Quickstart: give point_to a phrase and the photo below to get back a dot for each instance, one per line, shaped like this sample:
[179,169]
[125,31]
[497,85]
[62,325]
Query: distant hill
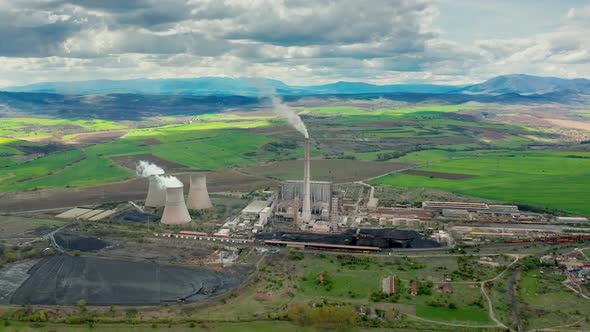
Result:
[204,86]
[219,86]
[256,87]
[527,84]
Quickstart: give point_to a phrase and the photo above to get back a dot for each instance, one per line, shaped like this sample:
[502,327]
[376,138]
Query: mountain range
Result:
[257,87]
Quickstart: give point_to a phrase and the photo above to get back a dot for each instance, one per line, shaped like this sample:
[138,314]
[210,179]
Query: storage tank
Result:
[175,211]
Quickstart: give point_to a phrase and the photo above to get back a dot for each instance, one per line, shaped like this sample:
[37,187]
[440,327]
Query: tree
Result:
[82,304]
[299,313]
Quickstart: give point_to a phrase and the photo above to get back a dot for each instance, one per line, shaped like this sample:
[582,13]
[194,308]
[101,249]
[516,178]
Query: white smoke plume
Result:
[289,114]
[145,169]
[266,90]
[168,181]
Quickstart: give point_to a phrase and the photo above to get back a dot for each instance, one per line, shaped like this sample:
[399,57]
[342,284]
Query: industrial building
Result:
[290,199]
[571,220]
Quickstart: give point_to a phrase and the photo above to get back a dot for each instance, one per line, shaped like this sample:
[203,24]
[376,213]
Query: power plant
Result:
[198,196]
[156,196]
[175,211]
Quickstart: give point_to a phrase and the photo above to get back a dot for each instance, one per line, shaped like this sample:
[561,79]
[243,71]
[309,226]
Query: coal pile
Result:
[136,217]
[385,238]
[81,243]
[63,280]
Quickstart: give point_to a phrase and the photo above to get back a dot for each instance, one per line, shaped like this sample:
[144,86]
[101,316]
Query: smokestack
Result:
[175,211]
[296,212]
[198,196]
[306,212]
[156,196]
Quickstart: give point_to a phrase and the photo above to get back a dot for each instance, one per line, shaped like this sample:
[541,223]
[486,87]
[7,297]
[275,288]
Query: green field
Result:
[458,315]
[38,167]
[200,145]
[546,302]
[357,280]
[256,326]
[554,180]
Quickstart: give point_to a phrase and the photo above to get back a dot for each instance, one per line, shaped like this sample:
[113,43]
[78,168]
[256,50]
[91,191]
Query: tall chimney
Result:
[175,211]
[198,197]
[296,213]
[156,196]
[306,211]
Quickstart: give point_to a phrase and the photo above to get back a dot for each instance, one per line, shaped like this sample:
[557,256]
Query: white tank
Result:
[198,196]
[175,211]
[156,196]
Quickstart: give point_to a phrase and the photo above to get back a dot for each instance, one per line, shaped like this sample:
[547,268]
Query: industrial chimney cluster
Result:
[171,197]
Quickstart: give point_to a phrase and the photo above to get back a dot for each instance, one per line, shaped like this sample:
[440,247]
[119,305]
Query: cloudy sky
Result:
[300,42]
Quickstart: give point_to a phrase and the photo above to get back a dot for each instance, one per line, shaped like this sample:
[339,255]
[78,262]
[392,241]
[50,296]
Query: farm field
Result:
[335,170]
[553,180]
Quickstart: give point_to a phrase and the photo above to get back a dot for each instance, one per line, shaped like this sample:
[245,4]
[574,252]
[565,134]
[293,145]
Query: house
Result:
[388,285]
[569,256]
[414,288]
[446,288]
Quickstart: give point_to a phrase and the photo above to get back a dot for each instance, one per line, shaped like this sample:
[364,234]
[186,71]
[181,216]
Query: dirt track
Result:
[134,189]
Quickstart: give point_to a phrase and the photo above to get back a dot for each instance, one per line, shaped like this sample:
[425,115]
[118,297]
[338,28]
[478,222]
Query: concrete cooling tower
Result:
[156,196]
[198,197]
[175,211]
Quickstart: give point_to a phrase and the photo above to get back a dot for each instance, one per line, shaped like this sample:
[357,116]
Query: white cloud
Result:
[297,41]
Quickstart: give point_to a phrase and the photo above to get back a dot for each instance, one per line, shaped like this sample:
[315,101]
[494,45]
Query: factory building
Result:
[571,220]
[320,191]
[439,206]
[290,199]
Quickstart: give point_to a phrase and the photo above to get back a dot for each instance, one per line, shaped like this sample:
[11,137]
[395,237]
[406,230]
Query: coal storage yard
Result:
[134,216]
[64,280]
[80,243]
[385,238]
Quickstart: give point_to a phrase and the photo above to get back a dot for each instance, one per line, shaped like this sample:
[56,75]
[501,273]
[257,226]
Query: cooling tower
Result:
[198,197]
[175,211]
[156,196]
[306,209]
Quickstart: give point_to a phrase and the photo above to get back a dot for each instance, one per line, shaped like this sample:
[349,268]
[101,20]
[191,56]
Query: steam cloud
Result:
[145,169]
[289,114]
[168,181]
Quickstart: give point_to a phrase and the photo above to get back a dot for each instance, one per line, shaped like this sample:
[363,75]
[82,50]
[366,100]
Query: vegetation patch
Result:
[438,175]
